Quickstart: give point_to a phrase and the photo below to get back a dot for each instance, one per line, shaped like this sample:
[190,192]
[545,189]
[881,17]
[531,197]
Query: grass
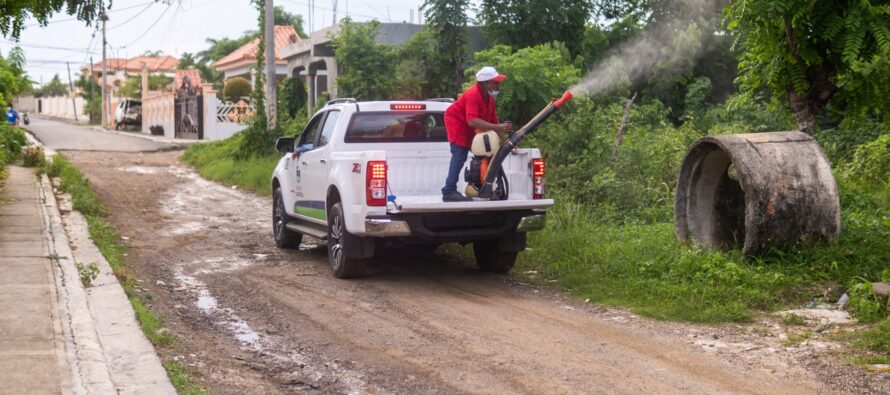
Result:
[181,379]
[875,341]
[106,239]
[215,161]
[642,266]
[794,319]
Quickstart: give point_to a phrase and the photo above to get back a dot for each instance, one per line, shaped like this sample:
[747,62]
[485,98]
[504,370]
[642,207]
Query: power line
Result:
[40,46]
[75,18]
[150,27]
[131,18]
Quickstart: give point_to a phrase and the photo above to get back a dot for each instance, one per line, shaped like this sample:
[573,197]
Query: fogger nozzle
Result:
[565,97]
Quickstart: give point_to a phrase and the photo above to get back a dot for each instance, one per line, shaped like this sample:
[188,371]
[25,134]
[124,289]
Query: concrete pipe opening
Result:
[756,191]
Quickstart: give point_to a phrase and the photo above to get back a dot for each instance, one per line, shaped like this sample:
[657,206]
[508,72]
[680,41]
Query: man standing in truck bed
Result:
[473,112]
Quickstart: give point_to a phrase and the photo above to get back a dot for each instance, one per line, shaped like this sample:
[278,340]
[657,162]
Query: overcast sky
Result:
[136,26]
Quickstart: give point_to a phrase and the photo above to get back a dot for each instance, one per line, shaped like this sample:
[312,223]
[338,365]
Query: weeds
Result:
[218,161]
[33,156]
[181,379]
[87,273]
[106,239]
[797,338]
[794,319]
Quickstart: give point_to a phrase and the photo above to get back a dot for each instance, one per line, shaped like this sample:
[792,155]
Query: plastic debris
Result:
[878,367]
[842,302]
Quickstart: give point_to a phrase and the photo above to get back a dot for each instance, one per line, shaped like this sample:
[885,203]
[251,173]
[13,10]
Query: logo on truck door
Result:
[357,168]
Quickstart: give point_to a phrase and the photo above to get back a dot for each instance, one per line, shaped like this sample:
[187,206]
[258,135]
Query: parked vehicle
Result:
[128,112]
[363,172]
[25,119]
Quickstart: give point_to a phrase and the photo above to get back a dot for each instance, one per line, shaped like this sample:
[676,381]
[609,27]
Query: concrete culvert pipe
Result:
[755,191]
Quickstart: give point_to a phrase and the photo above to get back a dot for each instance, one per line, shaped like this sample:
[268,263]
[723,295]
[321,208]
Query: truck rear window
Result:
[397,127]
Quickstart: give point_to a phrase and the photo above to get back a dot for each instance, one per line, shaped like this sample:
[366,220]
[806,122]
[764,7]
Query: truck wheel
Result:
[284,237]
[491,259]
[341,265]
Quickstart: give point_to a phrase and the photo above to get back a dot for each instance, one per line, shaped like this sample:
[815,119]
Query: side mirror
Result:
[284,144]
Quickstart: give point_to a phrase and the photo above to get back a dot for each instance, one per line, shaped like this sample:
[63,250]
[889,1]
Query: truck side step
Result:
[307,229]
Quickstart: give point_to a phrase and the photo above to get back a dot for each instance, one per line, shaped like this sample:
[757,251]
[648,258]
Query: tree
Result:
[535,75]
[237,88]
[55,87]
[15,13]
[186,61]
[813,51]
[133,85]
[13,79]
[154,53]
[292,96]
[284,18]
[525,23]
[92,96]
[448,19]
[367,66]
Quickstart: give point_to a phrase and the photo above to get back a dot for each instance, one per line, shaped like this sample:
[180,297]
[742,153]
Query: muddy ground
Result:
[252,318]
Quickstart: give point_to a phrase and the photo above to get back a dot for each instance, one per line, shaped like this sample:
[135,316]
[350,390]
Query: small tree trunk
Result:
[804,111]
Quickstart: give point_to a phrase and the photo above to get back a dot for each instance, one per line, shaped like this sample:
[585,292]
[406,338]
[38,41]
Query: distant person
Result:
[472,113]
[12,116]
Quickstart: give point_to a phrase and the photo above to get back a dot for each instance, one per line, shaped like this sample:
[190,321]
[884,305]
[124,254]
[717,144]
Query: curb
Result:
[161,140]
[106,349]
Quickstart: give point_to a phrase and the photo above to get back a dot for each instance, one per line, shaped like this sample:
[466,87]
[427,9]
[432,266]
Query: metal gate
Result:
[188,111]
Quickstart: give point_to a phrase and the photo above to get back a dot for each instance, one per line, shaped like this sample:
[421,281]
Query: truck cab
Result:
[364,172]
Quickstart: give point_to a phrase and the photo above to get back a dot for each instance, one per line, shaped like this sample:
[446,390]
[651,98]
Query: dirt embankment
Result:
[255,319]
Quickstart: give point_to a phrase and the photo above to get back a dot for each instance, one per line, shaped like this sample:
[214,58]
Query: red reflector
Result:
[537,178]
[407,107]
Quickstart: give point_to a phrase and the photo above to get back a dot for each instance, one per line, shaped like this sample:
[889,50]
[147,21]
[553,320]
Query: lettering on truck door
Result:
[305,202]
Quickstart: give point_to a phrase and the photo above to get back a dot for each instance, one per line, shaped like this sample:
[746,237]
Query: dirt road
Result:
[255,319]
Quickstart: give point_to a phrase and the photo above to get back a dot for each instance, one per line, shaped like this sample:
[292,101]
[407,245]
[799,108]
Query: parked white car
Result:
[366,171]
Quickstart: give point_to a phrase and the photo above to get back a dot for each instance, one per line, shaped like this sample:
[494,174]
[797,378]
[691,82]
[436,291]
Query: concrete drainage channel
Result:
[106,349]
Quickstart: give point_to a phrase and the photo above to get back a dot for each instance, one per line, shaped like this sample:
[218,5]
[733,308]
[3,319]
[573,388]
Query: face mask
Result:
[494,93]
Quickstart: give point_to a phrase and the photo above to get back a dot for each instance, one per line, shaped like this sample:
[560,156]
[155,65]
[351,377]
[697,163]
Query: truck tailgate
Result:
[434,204]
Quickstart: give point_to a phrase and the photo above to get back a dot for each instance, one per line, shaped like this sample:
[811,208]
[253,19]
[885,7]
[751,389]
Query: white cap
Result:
[488,73]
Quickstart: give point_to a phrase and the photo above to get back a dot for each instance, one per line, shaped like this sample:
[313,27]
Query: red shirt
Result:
[469,106]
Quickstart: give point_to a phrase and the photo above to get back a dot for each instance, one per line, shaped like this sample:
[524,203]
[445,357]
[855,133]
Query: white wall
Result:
[63,107]
[218,125]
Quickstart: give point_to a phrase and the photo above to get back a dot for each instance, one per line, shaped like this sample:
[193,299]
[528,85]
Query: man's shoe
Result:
[455,197]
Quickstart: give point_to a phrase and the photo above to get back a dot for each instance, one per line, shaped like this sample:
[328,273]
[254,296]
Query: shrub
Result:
[33,157]
[870,163]
[236,88]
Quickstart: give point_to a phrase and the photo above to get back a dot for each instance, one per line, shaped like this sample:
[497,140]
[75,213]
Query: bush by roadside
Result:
[12,140]
[220,161]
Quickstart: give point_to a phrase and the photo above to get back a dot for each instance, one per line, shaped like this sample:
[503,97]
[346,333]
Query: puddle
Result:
[141,169]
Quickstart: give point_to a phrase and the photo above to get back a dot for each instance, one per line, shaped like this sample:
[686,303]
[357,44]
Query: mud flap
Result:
[356,247]
[513,242]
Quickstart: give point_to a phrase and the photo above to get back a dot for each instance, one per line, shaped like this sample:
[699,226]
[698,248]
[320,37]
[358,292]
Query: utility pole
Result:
[334,22]
[106,101]
[71,90]
[90,85]
[271,80]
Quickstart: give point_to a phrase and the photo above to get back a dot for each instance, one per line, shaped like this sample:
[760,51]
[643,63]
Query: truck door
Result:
[301,203]
[315,169]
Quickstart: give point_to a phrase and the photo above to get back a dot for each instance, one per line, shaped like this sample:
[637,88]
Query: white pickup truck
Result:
[362,172]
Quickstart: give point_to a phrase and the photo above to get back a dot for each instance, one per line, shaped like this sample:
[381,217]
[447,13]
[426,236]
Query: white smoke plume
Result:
[665,48]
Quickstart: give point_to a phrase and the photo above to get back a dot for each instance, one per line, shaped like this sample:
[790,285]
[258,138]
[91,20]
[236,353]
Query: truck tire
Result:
[341,265]
[491,259]
[284,237]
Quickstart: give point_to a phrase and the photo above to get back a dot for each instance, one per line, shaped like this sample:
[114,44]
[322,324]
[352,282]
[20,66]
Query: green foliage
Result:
[132,87]
[237,88]
[219,48]
[12,140]
[526,23]
[92,96]
[33,156]
[292,97]
[870,163]
[864,304]
[535,75]
[181,379]
[447,20]
[54,87]
[813,51]
[417,73]
[186,61]
[13,79]
[15,13]
[876,339]
[367,67]
[219,160]
[87,273]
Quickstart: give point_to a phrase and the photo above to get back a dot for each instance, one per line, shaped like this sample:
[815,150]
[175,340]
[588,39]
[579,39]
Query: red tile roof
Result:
[165,63]
[284,36]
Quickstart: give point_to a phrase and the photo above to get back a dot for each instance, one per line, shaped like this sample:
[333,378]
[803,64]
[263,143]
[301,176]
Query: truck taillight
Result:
[375,179]
[537,178]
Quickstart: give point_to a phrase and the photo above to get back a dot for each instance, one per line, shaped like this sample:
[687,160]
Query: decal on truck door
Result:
[311,208]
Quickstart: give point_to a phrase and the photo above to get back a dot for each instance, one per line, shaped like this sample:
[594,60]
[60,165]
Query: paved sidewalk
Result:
[33,355]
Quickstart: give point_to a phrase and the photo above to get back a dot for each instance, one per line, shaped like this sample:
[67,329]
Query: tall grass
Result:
[219,161]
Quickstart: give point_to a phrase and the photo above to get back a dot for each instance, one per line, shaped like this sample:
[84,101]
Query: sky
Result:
[137,26]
